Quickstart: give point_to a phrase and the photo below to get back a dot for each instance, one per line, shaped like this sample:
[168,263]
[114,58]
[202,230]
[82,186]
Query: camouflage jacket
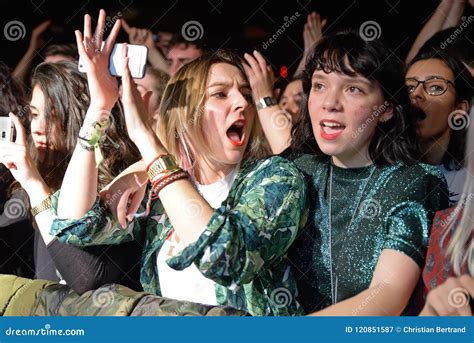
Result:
[243,248]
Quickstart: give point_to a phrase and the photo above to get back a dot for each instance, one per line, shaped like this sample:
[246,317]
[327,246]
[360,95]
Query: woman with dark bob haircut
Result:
[371,202]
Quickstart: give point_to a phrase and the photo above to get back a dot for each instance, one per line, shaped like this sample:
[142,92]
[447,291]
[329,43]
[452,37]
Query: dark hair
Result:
[347,53]
[463,84]
[68,50]
[452,41]
[284,85]
[67,98]
[178,39]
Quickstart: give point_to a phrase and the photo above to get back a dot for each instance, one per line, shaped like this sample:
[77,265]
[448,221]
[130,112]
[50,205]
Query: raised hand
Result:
[260,75]
[313,31]
[124,194]
[102,85]
[139,36]
[36,40]
[451,298]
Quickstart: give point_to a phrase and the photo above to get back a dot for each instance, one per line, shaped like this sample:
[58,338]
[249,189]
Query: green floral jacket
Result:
[243,248]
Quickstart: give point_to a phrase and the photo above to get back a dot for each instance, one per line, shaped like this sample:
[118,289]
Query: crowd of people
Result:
[348,191]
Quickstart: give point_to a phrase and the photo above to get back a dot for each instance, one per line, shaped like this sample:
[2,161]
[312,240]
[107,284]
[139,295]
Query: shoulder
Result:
[416,177]
[306,163]
[269,167]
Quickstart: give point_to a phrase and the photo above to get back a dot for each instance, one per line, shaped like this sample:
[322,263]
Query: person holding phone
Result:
[57,108]
[219,216]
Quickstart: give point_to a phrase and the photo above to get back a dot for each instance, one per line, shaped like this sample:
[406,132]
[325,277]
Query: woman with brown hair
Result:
[219,217]
[57,108]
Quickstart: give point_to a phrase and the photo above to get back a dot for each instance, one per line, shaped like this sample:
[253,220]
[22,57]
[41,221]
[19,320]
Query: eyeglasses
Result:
[434,86]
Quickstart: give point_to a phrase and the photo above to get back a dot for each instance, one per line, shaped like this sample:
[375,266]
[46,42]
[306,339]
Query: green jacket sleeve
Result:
[253,228]
[96,227]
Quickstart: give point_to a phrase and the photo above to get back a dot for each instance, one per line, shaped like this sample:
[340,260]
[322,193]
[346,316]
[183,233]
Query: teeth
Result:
[331,124]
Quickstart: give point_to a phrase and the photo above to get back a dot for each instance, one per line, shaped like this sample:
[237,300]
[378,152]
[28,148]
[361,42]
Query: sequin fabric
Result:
[395,212]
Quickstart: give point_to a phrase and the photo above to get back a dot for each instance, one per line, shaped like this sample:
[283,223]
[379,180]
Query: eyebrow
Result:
[426,78]
[33,107]
[227,84]
[347,78]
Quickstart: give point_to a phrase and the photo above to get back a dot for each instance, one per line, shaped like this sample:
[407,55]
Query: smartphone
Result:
[137,55]
[6,129]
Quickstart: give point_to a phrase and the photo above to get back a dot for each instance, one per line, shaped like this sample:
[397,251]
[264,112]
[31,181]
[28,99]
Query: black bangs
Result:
[347,53]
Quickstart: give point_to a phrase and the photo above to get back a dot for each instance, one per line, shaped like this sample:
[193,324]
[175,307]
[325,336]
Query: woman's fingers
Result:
[264,67]
[126,76]
[252,63]
[249,72]
[323,23]
[109,43]
[99,30]
[20,130]
[80,44]
[122,209]
[135,202]
[87,27]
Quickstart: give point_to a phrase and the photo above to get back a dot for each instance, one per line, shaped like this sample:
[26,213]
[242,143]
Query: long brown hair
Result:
[67,98]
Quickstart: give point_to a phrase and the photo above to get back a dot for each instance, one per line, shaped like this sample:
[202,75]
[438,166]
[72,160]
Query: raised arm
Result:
[20,73]
[312,33]
[275,122]
[145,37]
[79,185]
[447,14]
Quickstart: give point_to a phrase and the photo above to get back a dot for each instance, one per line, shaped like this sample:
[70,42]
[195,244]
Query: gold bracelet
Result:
[162,165]
[42,206]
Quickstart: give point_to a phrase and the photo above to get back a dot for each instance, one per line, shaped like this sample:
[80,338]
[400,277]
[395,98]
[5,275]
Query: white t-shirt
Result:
[455,180]
[189,284]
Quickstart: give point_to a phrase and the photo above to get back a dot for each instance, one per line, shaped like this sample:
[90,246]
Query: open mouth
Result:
[418,113]
[236,132]
[331,129]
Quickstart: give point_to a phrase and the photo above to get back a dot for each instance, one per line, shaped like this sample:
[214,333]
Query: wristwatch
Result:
[164,164]
[265,102]
[42,206]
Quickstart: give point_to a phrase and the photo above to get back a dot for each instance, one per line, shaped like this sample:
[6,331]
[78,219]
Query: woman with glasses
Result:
[440,87]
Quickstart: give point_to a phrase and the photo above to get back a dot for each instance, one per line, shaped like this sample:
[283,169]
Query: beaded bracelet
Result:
[167,180]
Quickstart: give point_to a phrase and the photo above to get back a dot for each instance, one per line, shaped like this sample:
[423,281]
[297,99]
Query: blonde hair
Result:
[460,248]
[179,124]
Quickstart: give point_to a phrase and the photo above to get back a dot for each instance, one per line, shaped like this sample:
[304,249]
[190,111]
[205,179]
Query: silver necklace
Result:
[334,281]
